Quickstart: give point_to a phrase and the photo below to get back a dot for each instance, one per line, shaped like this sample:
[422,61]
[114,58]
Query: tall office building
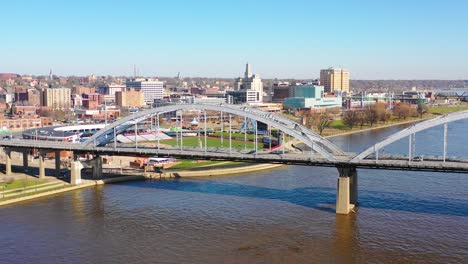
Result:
[152,89]
[250,82]
[335,80]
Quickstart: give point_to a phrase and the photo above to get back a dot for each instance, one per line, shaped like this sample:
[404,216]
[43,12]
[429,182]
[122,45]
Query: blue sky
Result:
[396,39]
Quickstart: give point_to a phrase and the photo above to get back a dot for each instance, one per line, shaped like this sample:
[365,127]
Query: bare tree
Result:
[422,109]
[351,118]
[371,114]
[361,118]
[383,114]
[402,110]
[319,120]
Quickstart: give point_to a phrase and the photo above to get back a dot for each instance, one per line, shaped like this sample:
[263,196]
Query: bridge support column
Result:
[97,168]
[41,166]
[25,161]
[7,162]
[347,192]
[75,172]
[57,163]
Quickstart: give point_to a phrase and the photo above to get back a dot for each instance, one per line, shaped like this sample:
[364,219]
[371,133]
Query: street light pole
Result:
[205,131]
[158,131]
[230,134]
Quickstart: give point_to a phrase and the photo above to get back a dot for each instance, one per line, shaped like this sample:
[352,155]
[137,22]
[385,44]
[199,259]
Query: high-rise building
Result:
[152,89]
[56,98]
[250,82]
[335,80]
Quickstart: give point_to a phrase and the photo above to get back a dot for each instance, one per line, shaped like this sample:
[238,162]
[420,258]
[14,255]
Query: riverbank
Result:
[68,188]
[213,171]
[378,127]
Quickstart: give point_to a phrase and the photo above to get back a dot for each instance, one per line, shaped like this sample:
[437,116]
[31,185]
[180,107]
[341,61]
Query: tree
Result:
[58,115]
[361,118]
[402,110]
[351,118]
[371,114]
[422,109]
[319,120]
[385,116]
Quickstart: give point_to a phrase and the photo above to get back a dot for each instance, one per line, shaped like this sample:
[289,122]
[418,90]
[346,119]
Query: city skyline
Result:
[397,40]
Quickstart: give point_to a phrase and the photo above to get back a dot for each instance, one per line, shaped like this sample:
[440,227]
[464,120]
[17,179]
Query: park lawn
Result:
[212,143]
[236,135]
[21,183]
[447,109]
[338,124]
[188,164]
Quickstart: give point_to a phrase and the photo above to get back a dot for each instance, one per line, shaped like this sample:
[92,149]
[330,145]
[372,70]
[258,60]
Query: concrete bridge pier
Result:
[7,161]
[347,189]
[75,172]
[25,161]
[41,165]
[57,163]
[97,167]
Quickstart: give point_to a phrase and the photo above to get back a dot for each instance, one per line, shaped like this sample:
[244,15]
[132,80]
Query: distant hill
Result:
[398,85]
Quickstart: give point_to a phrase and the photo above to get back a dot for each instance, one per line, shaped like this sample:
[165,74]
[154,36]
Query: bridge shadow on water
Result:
[319,198]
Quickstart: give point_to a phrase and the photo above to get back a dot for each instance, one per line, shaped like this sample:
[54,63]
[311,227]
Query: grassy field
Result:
[189,164]
[236,135]
[212,143]
[19,184]
[338,124]
[442,110]
[31,193]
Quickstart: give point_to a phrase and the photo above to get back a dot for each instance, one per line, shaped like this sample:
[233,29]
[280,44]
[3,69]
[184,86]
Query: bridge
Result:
[319,151]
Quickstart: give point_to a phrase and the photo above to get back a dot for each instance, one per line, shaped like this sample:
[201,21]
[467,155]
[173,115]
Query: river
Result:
[279,216]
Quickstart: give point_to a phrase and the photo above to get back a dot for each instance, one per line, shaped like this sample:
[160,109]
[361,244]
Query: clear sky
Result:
[374,39]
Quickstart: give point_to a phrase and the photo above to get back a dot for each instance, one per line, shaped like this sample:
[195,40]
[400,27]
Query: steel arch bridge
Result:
[324,152]
[410,132]
[316,142]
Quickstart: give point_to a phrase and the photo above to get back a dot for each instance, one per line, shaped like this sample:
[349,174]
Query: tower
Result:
[248,72]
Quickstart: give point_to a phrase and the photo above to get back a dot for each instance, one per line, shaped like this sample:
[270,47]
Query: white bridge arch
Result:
[316,142]
[441,120]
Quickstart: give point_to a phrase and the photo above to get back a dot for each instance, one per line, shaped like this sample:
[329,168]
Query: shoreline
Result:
[378,127]
[164,175]
[86,184]
[184,173]
[217,172]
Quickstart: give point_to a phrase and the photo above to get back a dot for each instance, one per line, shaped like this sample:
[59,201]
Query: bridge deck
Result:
[213,154]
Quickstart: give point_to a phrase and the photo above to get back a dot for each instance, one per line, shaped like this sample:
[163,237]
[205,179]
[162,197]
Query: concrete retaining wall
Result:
[214,172]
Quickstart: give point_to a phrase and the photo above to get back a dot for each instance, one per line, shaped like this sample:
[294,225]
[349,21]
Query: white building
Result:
[250,82]
[111,89]
[152,89]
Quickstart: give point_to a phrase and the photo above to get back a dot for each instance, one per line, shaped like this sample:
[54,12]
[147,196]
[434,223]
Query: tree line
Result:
[369,115]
